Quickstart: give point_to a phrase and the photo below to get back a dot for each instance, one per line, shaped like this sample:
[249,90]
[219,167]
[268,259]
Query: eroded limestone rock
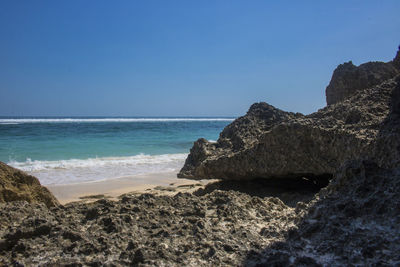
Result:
[16,185]
[347,79]
[270,143]
[282,144]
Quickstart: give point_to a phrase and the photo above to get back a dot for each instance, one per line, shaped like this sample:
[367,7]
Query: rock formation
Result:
[387,145]
[216,229]
[347,78]
[16,185]
[355,221]
[270,143]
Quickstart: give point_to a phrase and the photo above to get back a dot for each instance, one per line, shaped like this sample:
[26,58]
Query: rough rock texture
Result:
[184,230]
[348,79]
[387,145]
[353,221]
[260,118]
[17,185]
[280,144]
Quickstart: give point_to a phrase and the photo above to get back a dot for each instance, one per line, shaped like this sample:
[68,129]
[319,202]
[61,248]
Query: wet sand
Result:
[165,183]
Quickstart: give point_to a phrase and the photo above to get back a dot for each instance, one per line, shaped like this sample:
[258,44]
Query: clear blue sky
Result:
[182,58]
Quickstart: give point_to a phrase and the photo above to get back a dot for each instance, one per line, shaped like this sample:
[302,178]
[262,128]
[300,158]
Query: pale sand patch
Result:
[159,183]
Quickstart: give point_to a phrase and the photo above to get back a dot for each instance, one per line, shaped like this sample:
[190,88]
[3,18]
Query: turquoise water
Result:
[64,150]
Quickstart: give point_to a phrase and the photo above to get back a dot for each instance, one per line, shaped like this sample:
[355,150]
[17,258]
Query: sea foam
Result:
[95,169]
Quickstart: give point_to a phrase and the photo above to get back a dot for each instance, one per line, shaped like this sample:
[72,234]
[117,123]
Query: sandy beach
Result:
[165,183]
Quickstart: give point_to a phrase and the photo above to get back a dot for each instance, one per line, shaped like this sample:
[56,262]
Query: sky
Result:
[183,58]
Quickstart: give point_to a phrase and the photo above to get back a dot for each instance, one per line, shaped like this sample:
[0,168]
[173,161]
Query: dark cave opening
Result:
[290,190]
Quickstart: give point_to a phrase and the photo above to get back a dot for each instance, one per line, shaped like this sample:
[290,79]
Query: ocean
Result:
[75,150]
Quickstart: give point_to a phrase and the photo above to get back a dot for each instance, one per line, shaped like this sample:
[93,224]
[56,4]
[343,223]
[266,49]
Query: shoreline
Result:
[165,183]
[294,190]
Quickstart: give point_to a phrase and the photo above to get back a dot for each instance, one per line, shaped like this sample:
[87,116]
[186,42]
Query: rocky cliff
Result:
[16,185]
[347,79]
[355,219]
[270,143]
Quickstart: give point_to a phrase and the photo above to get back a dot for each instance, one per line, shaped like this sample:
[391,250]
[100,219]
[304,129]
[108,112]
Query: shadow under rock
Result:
[354,219]
[290,190]
[347,225]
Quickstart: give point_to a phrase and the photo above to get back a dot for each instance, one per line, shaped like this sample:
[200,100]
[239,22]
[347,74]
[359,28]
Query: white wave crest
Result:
[94,169]
[93,120]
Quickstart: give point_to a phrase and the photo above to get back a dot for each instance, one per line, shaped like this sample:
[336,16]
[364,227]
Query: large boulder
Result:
[16,185]
[348,78]
[270,143]
[241,134]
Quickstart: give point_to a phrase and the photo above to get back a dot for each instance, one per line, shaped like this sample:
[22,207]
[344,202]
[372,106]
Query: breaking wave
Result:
[95,169]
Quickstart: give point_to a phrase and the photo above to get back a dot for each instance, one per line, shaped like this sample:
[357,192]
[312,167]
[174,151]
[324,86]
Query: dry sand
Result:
[158,183]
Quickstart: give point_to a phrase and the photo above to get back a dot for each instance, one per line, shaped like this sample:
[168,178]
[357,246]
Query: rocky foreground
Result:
[219,228]
[354,220]
[350,149]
